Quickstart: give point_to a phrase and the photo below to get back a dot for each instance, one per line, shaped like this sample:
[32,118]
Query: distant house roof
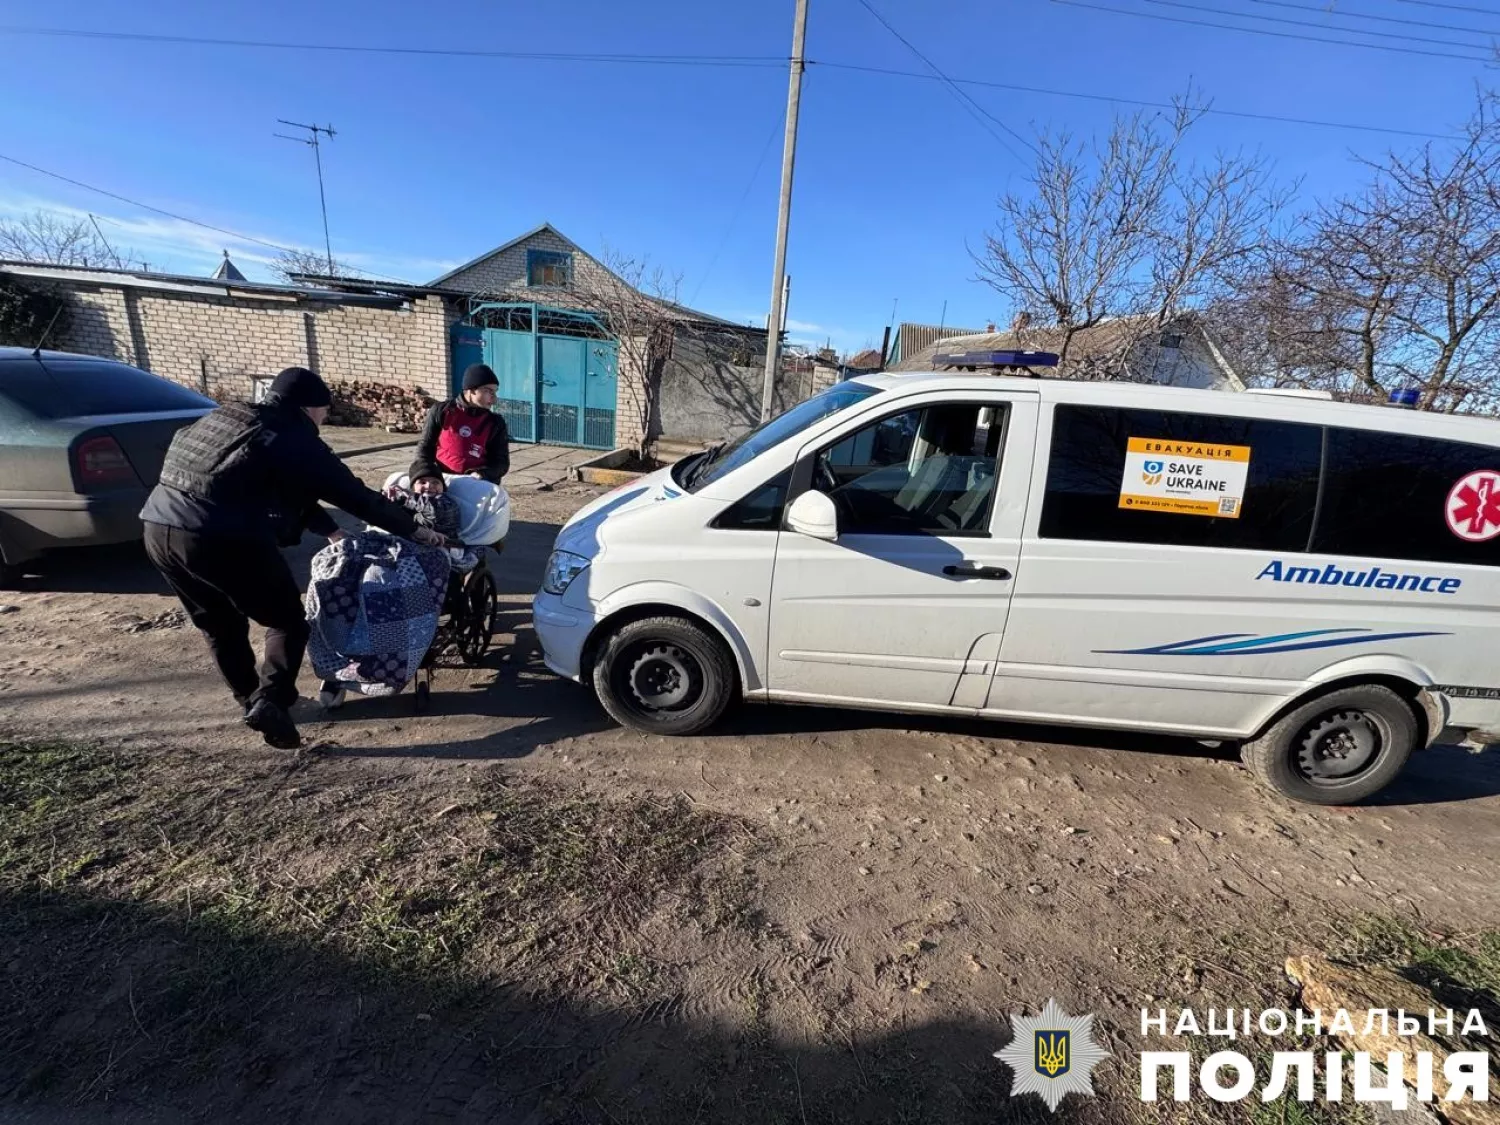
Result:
[867,360]
[677,311]
[228,271]
[179,283]
[1108,341]
[912,338]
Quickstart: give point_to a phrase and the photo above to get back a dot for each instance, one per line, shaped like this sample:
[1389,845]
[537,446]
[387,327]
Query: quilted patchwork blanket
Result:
[373,604]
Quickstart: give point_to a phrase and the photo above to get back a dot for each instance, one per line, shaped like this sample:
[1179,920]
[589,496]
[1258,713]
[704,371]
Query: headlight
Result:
[562,568]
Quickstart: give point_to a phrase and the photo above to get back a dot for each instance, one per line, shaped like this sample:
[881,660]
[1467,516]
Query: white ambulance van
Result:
[1316,581]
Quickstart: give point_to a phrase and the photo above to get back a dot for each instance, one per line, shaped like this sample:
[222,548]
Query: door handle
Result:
[969,570]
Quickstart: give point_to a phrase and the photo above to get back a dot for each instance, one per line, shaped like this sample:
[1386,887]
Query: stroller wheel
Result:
[478,617]
[423,693]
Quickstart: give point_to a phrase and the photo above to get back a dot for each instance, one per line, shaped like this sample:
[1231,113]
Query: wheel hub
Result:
[1338,746]
[661,679]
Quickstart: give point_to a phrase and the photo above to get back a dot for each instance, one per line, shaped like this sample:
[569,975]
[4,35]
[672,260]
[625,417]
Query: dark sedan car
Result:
[81,444]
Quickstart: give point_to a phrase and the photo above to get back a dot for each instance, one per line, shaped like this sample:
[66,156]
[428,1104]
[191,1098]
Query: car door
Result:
[907,607]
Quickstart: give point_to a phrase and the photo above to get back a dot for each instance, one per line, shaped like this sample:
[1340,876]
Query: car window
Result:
[928,471]
[1099,488]
[761,510]
[84,388]
[1390,495]
[749,446]
[26,384]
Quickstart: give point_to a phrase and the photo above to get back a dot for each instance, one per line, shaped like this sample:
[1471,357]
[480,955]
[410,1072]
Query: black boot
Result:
[273,724]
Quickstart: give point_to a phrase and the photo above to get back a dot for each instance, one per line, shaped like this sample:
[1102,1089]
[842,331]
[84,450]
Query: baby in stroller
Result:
[375,645]
[426,497]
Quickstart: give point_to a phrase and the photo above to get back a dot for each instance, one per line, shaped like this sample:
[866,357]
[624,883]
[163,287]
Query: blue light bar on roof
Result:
[995,359]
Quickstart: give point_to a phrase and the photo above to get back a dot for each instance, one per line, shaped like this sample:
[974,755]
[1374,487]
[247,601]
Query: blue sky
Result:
[439,158]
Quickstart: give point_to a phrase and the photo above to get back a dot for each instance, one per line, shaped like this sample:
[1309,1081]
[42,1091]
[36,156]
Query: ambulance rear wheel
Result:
[1338,748]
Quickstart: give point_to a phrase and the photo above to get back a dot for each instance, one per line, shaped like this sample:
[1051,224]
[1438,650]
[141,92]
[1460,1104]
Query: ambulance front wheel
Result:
[1338,748]
[665,675]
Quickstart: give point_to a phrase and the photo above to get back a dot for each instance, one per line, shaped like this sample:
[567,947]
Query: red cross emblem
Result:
[1473,508]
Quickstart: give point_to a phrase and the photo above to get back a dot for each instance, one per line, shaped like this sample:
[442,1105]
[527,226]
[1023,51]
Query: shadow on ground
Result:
[122,1012]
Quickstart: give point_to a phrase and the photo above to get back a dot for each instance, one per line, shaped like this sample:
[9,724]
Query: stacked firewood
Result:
[400,410]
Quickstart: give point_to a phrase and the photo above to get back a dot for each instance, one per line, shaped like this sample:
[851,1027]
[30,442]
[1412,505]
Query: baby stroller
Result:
[465,614]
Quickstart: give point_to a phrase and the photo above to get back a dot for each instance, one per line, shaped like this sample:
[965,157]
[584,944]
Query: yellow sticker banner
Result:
[1185,478]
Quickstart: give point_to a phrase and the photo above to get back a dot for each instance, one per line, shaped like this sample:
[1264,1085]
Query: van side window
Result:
[1085,474]
[759,511]
[929,471]
[1386,495]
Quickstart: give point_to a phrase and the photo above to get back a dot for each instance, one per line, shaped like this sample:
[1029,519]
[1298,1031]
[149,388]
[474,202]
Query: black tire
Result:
[10,576]
[1337,749]
[665,675]
[480,599]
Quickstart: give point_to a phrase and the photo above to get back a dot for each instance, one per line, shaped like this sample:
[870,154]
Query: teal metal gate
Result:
[555,386]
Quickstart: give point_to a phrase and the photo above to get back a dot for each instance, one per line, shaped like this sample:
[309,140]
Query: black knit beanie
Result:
[422,468]
[297,386]
[479,375]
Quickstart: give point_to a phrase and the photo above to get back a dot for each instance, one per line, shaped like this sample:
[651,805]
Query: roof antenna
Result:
[36,352]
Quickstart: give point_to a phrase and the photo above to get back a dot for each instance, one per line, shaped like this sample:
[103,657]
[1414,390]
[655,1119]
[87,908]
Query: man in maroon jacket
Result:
[464,435]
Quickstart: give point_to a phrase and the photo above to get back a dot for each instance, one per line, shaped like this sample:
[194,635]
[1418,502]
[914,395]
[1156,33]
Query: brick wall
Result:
[219,344]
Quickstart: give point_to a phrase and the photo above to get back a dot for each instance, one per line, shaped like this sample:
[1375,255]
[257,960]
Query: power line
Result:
[1132,101]
[172,214]
[1382,19]
[968,102]
[734,216]
[1310,23]
[1273,34]
[454,52]
[1454,7]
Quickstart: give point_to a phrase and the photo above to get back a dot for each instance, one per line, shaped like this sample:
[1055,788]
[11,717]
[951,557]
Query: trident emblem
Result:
[1051,1053]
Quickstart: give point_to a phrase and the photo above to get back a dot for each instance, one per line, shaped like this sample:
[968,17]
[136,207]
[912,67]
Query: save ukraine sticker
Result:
[1187,478]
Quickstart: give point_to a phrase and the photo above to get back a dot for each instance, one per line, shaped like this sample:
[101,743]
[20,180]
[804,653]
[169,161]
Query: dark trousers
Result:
[224,584]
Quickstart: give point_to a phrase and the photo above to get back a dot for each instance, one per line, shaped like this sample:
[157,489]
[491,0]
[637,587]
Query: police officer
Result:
[463,435]
[236,485]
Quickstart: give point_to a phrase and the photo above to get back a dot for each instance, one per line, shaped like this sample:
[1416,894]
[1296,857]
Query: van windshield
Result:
[724,459]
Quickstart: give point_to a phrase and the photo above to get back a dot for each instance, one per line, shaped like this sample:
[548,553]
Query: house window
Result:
[551,268]
[260,386]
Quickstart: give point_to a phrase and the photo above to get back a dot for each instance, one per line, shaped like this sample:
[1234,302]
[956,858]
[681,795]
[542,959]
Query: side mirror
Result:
[814,515]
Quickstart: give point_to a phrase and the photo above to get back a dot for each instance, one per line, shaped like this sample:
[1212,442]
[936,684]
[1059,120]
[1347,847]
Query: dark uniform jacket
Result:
[257,471]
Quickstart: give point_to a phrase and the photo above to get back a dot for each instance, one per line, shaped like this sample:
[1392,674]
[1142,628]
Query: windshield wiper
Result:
[706,458]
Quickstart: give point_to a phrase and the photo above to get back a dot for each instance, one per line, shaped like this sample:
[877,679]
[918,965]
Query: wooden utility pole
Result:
[783,218]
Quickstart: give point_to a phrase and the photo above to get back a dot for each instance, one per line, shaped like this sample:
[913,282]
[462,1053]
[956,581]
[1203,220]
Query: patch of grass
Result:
[40,785]
[1462,971]
[1470,961]
[178,915]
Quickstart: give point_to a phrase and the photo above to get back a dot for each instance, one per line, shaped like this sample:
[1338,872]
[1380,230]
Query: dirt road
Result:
[900,888]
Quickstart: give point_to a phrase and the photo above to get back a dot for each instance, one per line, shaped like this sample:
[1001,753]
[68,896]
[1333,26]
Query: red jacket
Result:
[466,439]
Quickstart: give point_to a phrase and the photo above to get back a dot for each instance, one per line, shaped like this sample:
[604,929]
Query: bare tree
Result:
[47,237]
[1127,227]
[291,264]
[1398,286]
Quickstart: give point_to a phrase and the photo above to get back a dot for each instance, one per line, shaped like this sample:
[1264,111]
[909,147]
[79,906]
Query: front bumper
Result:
[563,631]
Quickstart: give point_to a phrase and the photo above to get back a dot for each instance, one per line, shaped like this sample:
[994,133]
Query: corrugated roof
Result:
[911,338]
[179,283]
